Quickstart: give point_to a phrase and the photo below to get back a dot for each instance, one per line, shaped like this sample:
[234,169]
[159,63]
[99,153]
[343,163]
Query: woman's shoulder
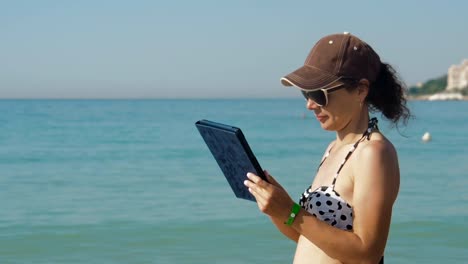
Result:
[376,163]
[377,149]
[377,143]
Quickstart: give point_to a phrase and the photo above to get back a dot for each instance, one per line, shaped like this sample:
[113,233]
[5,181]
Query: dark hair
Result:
[387,95]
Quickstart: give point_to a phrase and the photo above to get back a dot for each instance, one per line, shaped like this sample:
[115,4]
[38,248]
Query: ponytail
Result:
[387,95]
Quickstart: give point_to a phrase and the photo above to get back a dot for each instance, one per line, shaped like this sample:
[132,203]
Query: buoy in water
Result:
[426,137]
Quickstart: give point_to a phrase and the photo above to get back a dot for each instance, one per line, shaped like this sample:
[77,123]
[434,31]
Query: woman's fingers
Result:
[254,178]
[259,198]
[257,186]
[257,180]
[254,188]
[270,199]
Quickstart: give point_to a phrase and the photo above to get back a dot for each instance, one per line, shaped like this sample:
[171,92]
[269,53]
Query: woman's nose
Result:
[311,105]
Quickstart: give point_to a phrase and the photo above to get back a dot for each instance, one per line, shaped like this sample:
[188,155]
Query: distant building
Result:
[445,96]
[457,76]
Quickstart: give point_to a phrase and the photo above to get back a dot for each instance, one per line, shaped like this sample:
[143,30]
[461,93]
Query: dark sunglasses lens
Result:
[316,96]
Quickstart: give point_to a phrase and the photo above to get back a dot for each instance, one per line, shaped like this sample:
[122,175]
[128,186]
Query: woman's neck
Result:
[353,131]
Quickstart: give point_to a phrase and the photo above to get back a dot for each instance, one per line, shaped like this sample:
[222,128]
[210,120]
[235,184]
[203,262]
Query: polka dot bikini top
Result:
[325,203]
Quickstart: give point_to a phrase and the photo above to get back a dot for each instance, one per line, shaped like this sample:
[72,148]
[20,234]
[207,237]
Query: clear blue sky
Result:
[211,49]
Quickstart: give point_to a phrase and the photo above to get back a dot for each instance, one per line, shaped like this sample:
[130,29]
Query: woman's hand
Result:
[271,197]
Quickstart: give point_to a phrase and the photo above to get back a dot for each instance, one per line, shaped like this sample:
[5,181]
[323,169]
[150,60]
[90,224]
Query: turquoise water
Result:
[131,181]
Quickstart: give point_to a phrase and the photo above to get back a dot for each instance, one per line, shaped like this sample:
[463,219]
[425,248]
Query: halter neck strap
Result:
[372,127]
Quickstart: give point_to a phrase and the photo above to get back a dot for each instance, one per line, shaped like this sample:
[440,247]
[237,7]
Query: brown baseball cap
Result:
[335,57]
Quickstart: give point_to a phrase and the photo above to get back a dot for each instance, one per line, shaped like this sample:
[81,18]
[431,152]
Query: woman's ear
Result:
[363,89]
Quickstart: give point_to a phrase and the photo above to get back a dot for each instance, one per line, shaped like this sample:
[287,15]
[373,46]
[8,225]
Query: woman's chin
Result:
[326,125]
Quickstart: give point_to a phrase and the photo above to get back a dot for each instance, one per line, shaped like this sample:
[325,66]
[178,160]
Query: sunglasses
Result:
[320,97]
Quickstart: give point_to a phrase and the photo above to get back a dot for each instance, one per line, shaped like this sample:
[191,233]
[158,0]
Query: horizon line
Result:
[147,98]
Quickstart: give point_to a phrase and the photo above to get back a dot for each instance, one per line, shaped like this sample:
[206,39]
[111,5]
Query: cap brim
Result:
[309,78]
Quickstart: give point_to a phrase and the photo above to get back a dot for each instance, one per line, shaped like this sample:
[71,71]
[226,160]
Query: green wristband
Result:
[292,216]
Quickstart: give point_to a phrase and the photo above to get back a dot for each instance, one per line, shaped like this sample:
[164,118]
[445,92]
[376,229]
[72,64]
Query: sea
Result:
[132,181]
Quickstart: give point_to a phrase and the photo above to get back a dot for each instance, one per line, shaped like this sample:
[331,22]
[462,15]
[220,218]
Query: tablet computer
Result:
[232,153]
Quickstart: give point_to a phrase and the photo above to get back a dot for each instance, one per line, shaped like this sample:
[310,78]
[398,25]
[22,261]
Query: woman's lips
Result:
[321,118]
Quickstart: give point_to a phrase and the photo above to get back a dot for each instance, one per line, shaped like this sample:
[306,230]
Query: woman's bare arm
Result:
[288,231]
[375,189]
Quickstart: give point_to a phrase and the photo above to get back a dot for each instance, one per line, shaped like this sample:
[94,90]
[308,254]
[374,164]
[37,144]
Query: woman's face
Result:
[343,106]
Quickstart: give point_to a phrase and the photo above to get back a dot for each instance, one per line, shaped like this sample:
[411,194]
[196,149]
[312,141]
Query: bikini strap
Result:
[324,157]
[372,127]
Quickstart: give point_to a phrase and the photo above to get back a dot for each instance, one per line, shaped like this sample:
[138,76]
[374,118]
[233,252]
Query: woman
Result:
[345,215]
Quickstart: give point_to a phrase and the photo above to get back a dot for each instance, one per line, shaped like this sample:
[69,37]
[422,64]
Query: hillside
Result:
[430,87]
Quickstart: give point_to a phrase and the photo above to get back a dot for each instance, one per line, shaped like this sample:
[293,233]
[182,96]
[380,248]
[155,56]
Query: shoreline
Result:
[426,98]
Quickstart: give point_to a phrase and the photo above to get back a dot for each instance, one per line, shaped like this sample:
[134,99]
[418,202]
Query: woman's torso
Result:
[306,251]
